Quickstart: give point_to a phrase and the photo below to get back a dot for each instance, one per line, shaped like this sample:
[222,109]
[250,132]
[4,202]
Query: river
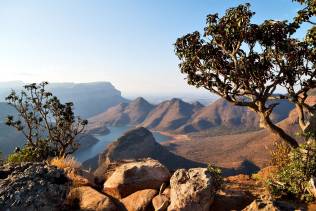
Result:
[105,140]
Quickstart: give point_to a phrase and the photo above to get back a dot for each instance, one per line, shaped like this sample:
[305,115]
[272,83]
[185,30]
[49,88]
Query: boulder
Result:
[86,198]
[80,177]
[140,200]
[161,202]
[191,190]
[134,176]
[32,186]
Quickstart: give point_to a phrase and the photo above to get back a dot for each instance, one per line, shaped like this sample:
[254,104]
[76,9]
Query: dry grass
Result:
[63,163]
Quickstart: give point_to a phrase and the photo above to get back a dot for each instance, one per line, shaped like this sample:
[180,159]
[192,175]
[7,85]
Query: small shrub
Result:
[32,154]
[217,176]
[66,162]
[292,179]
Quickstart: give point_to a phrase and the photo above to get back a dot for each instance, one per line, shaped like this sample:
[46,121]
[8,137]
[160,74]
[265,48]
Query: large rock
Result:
[191,190]
[80,177]
[140,200]
[161,202]
[134,176]
[32,186]
[86,198]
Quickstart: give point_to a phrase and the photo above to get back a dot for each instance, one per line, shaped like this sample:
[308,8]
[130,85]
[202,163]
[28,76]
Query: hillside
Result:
[170,115]
[222,115]
[123,114]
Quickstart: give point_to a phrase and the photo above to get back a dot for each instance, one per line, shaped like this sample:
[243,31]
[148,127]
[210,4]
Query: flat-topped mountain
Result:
[170,115]
[89,98]
[123,114]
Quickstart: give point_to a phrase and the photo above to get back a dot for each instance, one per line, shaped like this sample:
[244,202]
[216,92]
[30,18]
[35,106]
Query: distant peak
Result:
[140,99]
[198,104]
[176,100]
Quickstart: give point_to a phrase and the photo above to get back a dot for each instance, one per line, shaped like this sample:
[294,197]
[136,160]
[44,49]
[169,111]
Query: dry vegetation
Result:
[66,162]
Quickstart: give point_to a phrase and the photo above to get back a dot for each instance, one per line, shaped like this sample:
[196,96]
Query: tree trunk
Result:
[266,122]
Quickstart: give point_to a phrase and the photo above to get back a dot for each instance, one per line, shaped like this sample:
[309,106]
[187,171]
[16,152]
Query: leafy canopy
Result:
[244,63]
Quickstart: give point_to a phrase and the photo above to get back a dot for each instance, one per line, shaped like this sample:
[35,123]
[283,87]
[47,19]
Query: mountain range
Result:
[178,116]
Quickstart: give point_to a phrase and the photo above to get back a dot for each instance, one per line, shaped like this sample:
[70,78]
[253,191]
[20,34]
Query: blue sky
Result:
[126,42]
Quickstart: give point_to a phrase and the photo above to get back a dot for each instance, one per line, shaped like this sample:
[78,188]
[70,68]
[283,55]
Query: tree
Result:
[44,120]
[245,63]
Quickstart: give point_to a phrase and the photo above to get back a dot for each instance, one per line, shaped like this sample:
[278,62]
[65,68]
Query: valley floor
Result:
[228,151]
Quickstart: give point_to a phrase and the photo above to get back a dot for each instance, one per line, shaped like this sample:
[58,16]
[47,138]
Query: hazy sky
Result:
[126,42]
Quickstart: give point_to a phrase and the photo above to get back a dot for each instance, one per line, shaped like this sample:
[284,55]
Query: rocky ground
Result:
[32,186]
[132,185]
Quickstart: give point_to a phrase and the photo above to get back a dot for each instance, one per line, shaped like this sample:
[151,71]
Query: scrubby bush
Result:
[292,179]
[217,176]
[280,154]
[30,153]
[50,127]
[65,162]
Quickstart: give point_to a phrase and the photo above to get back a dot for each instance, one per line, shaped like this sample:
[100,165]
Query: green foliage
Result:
[217,176]
[304,15]
[292,179]
[45,122]
[32,154]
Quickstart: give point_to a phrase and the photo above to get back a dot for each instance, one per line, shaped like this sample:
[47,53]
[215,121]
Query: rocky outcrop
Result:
[86,198]
[139,175]
[32,186]
[191,190]
[138,144]
[140,200]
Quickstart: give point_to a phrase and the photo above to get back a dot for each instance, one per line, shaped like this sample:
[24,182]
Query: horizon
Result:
[129,44]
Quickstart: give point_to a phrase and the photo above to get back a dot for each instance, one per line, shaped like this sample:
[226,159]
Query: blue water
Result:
[105,140]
